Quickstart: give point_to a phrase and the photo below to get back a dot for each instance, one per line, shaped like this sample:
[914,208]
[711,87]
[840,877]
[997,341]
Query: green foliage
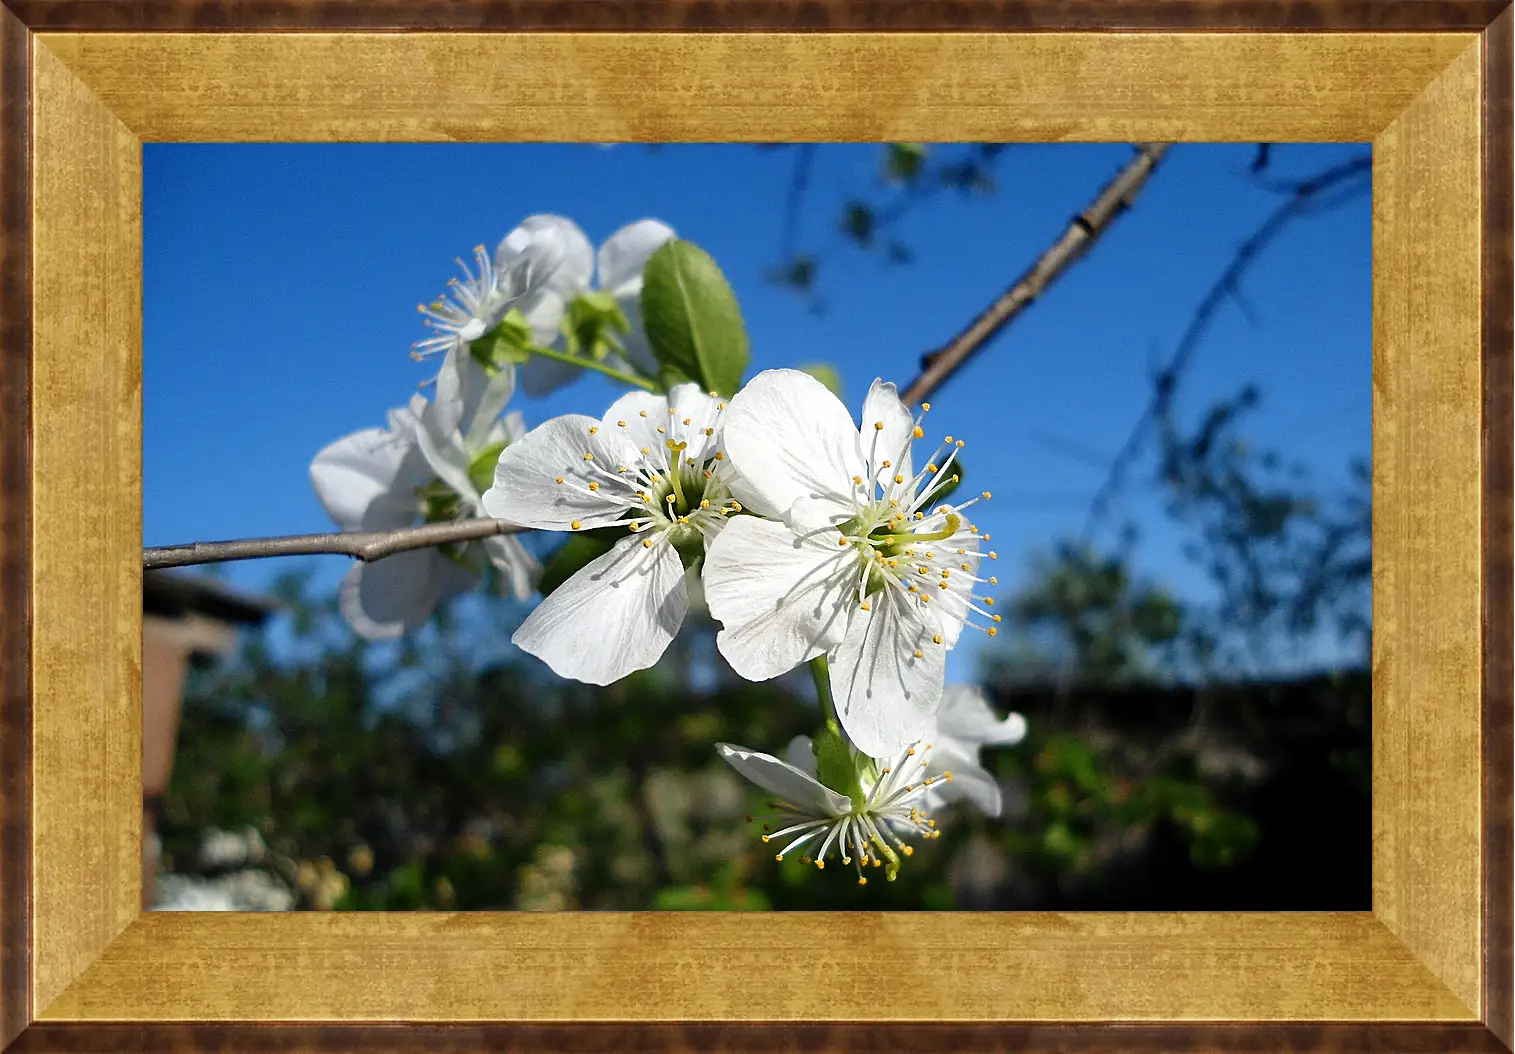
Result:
[692,319]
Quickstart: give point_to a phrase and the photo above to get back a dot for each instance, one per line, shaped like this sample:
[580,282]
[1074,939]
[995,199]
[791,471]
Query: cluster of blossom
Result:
[817,539]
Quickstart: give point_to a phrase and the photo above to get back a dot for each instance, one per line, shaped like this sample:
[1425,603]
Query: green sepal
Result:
[593,326]
[835,764]
[481,469]
[509,342]
[582,548]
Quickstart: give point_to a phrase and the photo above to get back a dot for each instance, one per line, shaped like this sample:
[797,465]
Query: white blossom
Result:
[417,469]
[852,560]
[963,725]
[475,304]
[615,269]
[653,465]
[870,830]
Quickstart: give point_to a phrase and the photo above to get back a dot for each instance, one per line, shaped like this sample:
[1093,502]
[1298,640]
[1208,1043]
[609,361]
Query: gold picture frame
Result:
[86,83]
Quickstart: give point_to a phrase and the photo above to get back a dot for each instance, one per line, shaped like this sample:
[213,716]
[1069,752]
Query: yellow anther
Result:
[704,503]
[861,880]
[989,601]
[920,516]
[620,424]
[720,406]
[993,555]
[920,654]
[661,430]
[820,865]
[858,480]
[959,444]
[594,486]
[965,567]
[947,775]
[710,431]
[646,451]
[780,858]
[866,606]
[918,432]
[588,457]
[998,618]
[886,464]
[926,407]
[908,850]
[932,469]
[575,525]
[993,581]
[558,480]
[878,426]
[899,479]
[936,639]
[944,583]
[842,542]
[594,429]
[720,455]
[993,632]
[911,752]
[947,440]
[641,413]
[686,420]
[987,495]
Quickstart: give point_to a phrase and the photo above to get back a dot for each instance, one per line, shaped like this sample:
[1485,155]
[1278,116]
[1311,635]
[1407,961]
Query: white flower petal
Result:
[623,257]
[966,715]
[525,491]
[365,480]
[885,696]
[640,431]
[780,599]
[616,615]
[969,780]
[892,442]
[789,438]
[539,376]
[396,595]
[801,754]
[520,570]
[785,781]
[443,449]
[576,255]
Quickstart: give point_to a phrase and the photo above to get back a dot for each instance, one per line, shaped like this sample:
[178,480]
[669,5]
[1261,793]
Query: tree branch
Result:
[1305,197]
[361,545]
[1085,229]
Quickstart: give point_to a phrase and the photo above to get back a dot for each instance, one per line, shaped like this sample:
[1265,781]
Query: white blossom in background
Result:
[851,561]
[251,890]
[381,479]
[653,465]
[616,269]
[965,723]
[867,832]
[476,303]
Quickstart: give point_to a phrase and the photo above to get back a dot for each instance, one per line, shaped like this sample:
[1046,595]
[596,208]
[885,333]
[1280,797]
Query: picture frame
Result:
[87,82]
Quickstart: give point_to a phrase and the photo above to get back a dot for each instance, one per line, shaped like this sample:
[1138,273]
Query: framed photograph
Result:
[1424,86]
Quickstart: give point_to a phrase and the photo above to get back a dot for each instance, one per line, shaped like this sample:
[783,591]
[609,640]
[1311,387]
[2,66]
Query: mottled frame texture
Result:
[85,82]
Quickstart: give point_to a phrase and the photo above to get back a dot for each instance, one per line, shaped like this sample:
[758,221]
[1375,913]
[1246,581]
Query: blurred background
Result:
[1176,432]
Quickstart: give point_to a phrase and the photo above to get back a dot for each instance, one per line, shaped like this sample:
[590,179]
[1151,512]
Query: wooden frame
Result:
[86,82]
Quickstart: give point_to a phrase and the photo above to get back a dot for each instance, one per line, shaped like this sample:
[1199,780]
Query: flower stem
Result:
[820,672]
[635,380]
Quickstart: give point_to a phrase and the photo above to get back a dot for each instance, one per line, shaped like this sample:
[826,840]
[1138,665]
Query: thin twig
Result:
[361,545]
[1305,198]
[1086,227]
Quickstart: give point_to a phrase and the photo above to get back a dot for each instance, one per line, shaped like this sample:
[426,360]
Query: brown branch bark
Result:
[361,545]
[1087,226]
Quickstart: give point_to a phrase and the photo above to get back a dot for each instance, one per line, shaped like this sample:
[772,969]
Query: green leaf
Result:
[692,318]
[578,551]
[827,374]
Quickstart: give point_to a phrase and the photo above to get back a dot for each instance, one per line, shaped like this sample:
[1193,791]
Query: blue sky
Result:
[280,284]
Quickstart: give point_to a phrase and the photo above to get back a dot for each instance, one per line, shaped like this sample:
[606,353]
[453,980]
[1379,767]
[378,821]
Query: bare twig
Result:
[1086,227]
[362,545]
[1305,197]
